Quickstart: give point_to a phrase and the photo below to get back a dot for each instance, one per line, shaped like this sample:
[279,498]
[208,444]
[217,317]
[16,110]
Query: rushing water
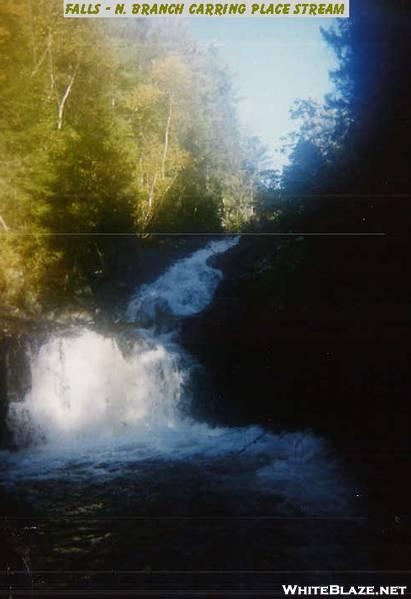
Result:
[106,429]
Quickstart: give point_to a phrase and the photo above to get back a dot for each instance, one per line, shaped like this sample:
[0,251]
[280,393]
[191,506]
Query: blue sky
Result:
[274,61]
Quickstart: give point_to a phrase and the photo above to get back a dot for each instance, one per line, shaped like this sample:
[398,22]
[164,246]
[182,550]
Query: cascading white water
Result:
[99,405]
[184,289]
[86,386]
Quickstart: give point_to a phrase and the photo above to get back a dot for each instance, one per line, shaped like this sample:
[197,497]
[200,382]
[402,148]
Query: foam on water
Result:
[86,387]
[90,388]
[184,289]
[295,467]
[99,406]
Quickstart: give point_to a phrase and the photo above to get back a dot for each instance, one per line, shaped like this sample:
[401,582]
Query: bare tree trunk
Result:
[4,224]
[140,168]
[166,137]
[151,194]
[51,67]
[100,257]
[33,38]
[40,62]
[64,99]
[60,102]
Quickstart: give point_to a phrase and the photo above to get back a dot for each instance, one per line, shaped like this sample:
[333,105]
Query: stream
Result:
[115,485]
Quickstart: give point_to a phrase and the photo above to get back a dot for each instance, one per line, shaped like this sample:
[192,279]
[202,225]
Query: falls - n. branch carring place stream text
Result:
[213,9]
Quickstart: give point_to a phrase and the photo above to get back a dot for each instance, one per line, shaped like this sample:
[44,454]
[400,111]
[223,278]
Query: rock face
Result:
[246,340]
[292,347]
[139,261]
[301,337]
[14,377]
[3,389]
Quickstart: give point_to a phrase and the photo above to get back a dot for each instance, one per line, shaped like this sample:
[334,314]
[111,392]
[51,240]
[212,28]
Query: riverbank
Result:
[295,348]
[129,482]
[321,346]
[136,262]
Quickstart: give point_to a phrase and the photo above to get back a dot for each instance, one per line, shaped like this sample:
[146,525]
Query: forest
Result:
[206,414]
[324,303]
[108,129]
[132,128]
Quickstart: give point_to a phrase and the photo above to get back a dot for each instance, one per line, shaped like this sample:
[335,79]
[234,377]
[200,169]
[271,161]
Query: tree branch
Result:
[40,62]
[64,99]
[151,194]
[51,66]
[166,136]
[4,224]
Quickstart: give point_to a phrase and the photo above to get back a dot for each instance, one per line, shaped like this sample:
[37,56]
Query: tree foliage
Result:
[107,128]
[356,143]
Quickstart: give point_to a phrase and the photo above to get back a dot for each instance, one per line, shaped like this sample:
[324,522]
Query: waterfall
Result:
[107,406]
[184,289]
[88,387]
[85,385]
